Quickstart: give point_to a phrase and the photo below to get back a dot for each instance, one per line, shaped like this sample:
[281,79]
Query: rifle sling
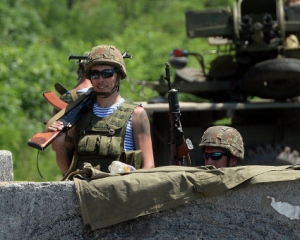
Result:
[74,95]
[64,111]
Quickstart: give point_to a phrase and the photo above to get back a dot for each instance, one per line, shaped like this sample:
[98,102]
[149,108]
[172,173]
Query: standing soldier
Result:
[112,129]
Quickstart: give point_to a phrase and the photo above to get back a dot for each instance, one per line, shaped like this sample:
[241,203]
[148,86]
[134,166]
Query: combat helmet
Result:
[106,54]
[224,137]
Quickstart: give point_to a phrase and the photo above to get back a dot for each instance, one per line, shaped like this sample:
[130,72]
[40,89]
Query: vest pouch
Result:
[110,146]
[133,158]
[89,145]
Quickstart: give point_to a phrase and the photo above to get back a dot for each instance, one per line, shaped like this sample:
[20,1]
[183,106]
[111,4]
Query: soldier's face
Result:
[103,78]
[217,157]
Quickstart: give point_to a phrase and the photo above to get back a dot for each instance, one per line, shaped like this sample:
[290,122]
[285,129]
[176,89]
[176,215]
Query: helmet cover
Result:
[106,55]
[224,137]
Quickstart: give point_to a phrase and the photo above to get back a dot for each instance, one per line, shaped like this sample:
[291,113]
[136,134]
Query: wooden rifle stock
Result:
[183,153]
[42,140]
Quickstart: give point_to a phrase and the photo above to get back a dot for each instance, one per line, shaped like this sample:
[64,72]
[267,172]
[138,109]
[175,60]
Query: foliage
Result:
[36,38]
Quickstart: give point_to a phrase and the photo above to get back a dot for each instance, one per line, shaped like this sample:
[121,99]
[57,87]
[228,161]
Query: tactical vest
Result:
[99,141]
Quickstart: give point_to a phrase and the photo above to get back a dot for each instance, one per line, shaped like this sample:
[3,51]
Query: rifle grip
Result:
[41,141]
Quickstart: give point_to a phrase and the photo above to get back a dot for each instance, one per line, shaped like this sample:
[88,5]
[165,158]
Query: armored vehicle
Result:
[254,81]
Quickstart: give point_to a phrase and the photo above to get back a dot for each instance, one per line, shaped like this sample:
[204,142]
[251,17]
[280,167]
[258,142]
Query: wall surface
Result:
[6,163]
[50,210]
[31,210]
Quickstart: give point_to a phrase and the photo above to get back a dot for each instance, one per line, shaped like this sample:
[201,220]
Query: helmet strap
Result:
[228,160]
[114,89]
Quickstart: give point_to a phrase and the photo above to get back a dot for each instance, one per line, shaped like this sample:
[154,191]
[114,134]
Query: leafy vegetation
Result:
[36,38]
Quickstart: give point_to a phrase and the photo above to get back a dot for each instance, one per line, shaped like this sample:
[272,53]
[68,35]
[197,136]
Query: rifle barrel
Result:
[168,75]
[71,56]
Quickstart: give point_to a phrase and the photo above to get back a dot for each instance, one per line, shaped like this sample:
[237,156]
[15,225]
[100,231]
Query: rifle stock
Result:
[41,141]
[184,149]
[181,146]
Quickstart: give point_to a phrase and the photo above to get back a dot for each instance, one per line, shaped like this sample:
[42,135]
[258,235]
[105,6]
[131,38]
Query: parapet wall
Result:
[6,163]
[50,210]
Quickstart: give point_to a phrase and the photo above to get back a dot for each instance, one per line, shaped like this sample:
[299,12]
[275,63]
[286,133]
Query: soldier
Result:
[222,146]
[112,129]
[82,86]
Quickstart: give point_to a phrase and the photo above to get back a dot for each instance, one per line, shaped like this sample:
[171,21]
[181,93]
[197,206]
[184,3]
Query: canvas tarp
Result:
[106,199]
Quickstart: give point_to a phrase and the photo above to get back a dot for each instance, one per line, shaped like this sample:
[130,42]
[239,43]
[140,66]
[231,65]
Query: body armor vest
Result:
[99,141]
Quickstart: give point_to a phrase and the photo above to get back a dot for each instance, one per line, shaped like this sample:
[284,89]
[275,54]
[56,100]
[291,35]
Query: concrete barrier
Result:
[6,163]
[50,210]
[31,210]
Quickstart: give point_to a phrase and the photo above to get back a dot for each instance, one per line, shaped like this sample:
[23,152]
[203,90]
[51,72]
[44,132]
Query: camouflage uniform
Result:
[224,137]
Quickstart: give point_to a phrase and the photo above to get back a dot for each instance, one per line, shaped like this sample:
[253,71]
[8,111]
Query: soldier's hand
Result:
[56,126]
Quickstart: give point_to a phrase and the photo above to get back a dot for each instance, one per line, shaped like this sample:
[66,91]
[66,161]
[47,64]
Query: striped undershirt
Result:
[105,112]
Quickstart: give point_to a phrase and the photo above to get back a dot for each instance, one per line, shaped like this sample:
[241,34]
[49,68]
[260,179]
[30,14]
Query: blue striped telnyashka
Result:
[104,112]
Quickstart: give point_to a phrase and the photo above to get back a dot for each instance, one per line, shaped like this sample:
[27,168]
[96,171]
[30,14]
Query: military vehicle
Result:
[254,80]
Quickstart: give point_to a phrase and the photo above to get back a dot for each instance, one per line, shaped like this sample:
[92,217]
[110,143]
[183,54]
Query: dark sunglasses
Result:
[106,73]
[215,155]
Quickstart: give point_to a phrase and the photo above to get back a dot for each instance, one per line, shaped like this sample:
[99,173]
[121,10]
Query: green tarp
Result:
[106,199]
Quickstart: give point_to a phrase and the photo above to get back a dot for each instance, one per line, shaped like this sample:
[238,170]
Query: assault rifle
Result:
[181,147]
[71,56]
[69,117]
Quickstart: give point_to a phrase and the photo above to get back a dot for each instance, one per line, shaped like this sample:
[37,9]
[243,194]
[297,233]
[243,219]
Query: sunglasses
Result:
[215,155]
[106,73]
